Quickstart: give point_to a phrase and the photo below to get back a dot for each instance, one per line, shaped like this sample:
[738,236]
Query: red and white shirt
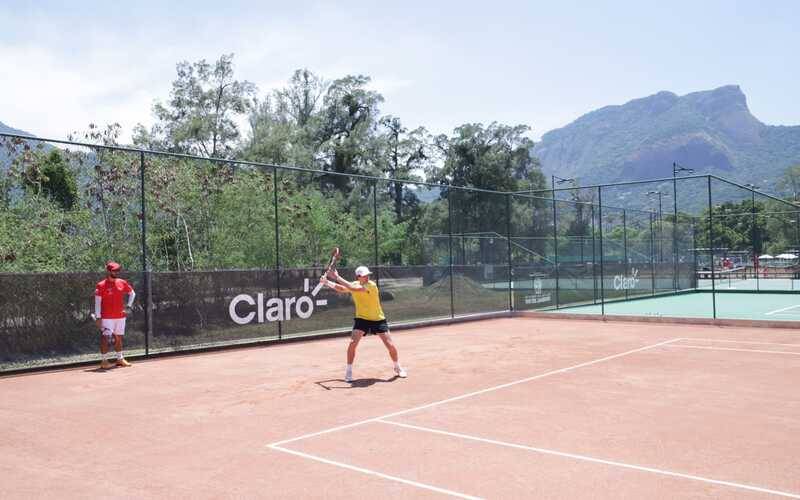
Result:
[112,294]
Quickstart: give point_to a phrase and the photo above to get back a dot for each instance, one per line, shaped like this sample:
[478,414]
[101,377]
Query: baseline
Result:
[742,342]
[782,310]
[710,348]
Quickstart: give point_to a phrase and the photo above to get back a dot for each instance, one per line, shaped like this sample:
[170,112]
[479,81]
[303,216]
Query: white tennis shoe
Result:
[348,376]
[400,372]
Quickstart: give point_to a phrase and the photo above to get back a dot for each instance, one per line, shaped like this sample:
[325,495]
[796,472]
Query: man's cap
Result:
[363,271]
[113,267]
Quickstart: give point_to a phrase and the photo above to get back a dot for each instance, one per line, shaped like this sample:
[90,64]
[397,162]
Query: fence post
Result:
[277,242]
[602,269]
[753,232]
[675,230]
[652,259]
[625,245]
[594,261]
[148,298]
[450,248]
[510,268]
[555,244]
[694,253]
[711,250]
[375,231]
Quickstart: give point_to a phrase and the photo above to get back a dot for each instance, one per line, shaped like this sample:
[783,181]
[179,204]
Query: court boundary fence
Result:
[564,244]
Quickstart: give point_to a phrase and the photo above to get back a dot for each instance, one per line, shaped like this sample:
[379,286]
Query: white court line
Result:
[731,349]
[471,394]
[743,342]
[781,310]
[375,473]
[596,460]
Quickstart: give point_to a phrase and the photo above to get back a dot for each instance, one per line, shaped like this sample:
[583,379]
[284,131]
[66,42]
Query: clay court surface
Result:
[504,408]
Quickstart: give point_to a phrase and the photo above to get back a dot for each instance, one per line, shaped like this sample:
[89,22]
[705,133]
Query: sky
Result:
[438,64]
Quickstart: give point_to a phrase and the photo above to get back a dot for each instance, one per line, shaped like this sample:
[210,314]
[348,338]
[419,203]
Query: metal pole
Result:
[148,298]
[796,239]
[555,238]
[652,259]
[711,250]
[594,262]
[510,269]
[277,242]
[375,233]
[602,270]
[694,254]
[675,229]
[753,232]
[625,246]
[660,229]
[450,248]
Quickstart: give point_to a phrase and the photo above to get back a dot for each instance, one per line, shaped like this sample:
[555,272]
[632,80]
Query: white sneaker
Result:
[348,376]
[400,372]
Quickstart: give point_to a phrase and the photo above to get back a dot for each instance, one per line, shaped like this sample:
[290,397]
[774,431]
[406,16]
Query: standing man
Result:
[369,316]
[110,312]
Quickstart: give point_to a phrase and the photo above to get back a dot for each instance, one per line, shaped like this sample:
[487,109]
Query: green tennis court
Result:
[750,306]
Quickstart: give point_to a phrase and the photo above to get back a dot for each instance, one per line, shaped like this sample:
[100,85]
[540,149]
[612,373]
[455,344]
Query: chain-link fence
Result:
[227,252]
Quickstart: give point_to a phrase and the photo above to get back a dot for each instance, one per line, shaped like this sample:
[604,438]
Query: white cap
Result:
[362,271]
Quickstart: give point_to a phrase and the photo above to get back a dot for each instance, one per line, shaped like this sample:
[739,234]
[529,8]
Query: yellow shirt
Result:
[368,304]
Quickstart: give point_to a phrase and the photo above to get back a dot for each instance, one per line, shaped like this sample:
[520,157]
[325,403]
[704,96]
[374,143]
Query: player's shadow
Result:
[98,370]
[339,383]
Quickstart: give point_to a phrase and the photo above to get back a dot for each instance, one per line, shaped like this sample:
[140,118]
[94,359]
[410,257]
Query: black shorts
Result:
[368,326]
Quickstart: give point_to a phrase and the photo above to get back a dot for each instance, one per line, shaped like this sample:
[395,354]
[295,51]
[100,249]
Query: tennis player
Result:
[109,310]
[369,316]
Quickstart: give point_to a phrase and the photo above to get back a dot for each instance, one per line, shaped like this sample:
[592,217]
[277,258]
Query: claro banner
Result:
[245,309]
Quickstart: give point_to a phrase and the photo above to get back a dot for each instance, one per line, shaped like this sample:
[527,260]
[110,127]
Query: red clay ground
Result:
[687,419]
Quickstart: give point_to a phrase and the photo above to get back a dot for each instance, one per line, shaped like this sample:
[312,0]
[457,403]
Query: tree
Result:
[51,177]
[790,181]
[200,116]
[282,124]
[300,99]
[405,153]
[497,157]
[346,125]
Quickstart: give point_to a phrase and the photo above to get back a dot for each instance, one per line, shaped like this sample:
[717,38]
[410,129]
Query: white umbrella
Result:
[786,256]
[766,256]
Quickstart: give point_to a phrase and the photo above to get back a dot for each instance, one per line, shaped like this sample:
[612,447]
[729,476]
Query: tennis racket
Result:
[335,254]
[102,330]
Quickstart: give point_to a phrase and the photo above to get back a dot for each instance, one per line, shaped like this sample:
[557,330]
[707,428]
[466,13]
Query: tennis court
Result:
[729,305]
[501,408]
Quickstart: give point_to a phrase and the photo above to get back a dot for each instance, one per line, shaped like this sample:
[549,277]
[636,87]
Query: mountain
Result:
[711,131]
[5,129]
